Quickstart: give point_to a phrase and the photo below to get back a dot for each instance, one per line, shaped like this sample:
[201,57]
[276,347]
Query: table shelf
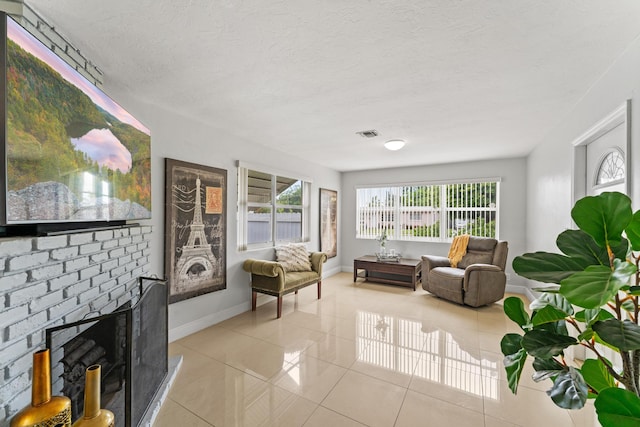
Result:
[405,272]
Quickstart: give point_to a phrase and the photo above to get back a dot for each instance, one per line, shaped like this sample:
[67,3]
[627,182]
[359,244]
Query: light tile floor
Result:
[365,354]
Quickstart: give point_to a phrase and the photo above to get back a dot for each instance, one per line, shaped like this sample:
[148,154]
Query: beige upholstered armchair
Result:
[274,278]
[479,278]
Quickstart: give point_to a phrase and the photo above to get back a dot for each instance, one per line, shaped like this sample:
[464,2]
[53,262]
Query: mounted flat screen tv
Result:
[71,155]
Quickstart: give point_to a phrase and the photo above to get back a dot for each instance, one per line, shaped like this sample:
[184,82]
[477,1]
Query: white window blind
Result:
[428,211]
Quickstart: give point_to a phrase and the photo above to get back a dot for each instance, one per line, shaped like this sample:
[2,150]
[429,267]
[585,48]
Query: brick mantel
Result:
[49,281]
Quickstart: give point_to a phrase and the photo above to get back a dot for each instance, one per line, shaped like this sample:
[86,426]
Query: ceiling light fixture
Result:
[394,144]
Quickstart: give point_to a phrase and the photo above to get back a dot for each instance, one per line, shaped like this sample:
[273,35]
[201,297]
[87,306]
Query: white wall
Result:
[536,191]
[181,138]
[512,206]
[549,176]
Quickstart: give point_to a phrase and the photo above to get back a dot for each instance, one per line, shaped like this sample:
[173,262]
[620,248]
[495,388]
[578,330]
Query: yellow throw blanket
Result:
[458,249]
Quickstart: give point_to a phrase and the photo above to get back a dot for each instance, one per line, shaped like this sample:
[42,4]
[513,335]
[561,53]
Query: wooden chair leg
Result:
[319,289]
[254,298]
[279,306]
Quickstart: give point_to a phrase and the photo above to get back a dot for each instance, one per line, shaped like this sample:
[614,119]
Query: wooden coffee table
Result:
[405,272]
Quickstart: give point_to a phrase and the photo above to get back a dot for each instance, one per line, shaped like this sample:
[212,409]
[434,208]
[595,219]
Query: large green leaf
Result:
[510,344]
[513,365]
[579,245]
[604,217]
[548,314]
[558,328]
[595,373]
[591,315]
[550,364]
[622,250]
[569,390]
[623,335]
[514,309]
[546,267]
[617,407]
[545,344]
[633,231]
[624,270]
[599,340]
[595,286]
[554,300]
[586,335]
[547,368]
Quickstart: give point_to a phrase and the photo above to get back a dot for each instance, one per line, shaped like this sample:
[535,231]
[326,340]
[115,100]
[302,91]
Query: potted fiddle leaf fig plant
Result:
[594,293]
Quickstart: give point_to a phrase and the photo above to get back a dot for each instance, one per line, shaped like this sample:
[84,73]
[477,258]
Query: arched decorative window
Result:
[611,169]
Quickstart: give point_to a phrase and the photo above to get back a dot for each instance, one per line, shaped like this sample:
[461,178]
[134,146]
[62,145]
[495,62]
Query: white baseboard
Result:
[522,290]
[206,321]
[331,272]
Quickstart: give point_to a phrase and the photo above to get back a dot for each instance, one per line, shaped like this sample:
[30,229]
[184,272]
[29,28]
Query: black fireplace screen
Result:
[131,346]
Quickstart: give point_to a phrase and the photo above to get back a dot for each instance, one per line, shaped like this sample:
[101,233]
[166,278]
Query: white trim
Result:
[272,171]
[241,212]
[206,321]
[244,206]
[437,182]
[621,115]
[521,290]
[612,120]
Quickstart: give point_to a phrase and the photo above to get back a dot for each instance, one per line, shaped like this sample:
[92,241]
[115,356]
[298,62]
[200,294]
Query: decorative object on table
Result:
[595,291]
[45,410]
[93,415]
[329,222]
[390,256]
[382,241]
[195,229]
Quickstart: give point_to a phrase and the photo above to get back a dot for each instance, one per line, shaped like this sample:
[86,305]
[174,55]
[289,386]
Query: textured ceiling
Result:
[457,79]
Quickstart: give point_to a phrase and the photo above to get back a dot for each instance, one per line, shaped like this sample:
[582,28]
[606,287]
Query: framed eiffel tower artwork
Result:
[195,229]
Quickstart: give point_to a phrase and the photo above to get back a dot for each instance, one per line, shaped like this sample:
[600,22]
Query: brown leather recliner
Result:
[479,279]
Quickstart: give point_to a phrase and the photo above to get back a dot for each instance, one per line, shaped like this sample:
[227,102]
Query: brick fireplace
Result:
[54,280]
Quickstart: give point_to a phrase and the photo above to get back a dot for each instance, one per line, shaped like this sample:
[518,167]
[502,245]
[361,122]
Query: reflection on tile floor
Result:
[365,354]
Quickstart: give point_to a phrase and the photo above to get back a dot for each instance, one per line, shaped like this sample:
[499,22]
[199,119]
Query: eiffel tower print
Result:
[195,229]
[196,264]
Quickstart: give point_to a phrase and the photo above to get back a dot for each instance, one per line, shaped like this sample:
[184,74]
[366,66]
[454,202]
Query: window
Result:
[428,212]
[611,169]
[272,208]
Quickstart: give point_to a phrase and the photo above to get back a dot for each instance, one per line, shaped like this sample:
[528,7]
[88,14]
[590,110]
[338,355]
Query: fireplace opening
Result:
[131,346]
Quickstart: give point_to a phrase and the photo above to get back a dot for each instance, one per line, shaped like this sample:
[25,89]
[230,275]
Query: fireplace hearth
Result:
[131,346]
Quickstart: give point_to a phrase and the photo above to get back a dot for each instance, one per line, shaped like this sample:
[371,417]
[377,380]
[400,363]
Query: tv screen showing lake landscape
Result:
[72,153]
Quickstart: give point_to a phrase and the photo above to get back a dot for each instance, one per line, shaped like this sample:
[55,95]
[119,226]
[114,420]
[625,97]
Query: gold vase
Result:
[45,410]
[94,416]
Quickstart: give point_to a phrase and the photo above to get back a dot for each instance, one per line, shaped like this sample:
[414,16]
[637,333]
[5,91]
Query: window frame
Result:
[443,211]
[244,205]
